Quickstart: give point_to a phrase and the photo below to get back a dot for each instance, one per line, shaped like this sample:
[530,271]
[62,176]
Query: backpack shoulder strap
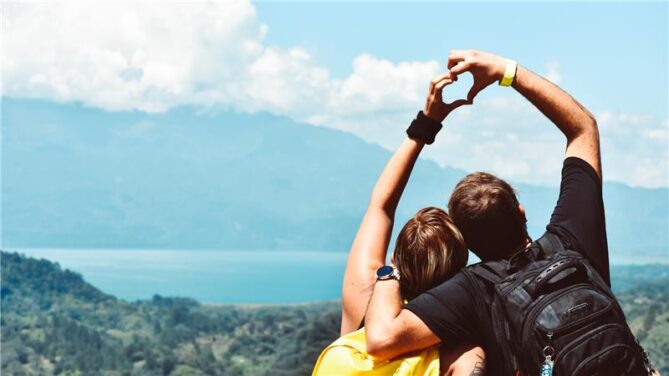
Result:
[550,244]
[489,304]
[491,271]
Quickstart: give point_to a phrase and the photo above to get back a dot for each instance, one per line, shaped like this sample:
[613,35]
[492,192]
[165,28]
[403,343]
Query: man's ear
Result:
[521,209]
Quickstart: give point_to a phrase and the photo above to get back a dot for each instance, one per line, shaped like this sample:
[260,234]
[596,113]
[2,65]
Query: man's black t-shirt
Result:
[451,310]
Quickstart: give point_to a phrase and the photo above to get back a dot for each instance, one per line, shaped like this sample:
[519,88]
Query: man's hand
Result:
[435,108]
[486,68]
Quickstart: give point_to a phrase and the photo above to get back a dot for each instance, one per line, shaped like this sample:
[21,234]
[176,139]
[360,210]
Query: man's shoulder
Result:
[560,234]
[460,279]
[461,276]
[578,164]
[455,288]
[481,276]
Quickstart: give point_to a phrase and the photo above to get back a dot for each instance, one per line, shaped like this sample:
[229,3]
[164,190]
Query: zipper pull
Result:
[548,352]
[547,367]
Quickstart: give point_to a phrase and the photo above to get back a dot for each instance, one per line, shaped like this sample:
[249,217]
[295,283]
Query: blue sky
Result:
[615,54]
[362,68]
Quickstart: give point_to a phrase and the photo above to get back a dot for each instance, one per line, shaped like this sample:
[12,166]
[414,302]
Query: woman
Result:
[429,248]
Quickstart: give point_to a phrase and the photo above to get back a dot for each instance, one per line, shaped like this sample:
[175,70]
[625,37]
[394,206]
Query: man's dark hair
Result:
[486,210]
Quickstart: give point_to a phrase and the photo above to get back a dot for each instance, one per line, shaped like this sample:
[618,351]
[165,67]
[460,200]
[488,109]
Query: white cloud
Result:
[635,148]
[521,144]
[656,134]
[152,56]
[376,97]
[379,85]
[132,55]
[553,73]
[505,135]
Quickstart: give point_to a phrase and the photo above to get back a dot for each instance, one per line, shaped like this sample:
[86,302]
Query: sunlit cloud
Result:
[153,56]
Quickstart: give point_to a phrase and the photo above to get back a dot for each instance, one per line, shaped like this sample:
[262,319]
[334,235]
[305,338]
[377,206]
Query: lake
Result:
[223,277]
[263,277]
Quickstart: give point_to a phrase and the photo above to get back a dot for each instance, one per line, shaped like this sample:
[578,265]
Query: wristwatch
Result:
[387,272]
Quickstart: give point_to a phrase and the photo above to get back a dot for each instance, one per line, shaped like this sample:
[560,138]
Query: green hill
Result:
[53,322]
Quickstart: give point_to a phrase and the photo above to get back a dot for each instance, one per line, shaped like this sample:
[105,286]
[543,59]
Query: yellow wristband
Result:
[509,73]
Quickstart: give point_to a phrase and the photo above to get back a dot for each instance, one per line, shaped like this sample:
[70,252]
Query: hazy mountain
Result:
[80,177]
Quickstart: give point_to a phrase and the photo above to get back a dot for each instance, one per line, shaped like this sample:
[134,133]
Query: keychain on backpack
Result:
[547,367]
[549,351]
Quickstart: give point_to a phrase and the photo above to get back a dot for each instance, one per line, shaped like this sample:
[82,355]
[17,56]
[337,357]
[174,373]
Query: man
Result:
[493,223]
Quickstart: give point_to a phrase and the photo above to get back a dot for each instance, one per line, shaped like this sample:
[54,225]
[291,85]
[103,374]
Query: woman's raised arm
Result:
[368,252]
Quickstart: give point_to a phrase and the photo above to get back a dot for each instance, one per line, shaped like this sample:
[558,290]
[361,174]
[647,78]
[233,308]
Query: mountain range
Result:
[191,178]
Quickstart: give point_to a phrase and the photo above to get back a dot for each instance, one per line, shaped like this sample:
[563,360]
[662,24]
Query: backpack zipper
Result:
[591,317]
[534,311]
[578,340]
[600,352]
[527,327]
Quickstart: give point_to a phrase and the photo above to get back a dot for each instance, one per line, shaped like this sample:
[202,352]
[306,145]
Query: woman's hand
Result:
[435,108]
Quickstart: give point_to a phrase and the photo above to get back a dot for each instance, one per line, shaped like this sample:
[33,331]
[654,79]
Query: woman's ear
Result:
[392,259]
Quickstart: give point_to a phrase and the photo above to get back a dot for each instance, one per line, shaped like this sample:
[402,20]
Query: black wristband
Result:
[423,128]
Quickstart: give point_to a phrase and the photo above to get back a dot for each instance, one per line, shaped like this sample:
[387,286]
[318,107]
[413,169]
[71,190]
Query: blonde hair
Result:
[429,250]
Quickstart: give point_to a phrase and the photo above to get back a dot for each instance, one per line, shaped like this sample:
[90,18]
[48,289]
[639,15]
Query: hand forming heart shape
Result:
[485,69]
[435,107]
[459,89]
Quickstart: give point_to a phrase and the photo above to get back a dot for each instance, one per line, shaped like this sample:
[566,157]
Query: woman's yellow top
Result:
[348,356]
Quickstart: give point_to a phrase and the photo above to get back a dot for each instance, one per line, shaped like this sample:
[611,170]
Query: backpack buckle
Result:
[521,258]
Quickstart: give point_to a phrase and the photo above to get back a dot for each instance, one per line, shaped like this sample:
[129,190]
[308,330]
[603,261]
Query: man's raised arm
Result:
[577,123]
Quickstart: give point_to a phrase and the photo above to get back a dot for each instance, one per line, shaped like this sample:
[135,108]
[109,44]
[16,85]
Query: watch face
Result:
[384,271]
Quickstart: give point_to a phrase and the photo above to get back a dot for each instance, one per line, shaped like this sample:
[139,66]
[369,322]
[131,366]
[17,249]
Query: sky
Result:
[362,68]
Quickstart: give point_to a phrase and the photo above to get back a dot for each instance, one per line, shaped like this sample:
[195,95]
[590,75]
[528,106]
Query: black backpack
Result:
[553,314]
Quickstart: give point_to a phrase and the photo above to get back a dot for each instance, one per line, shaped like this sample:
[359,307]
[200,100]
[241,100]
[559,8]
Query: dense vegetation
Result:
[53,322]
